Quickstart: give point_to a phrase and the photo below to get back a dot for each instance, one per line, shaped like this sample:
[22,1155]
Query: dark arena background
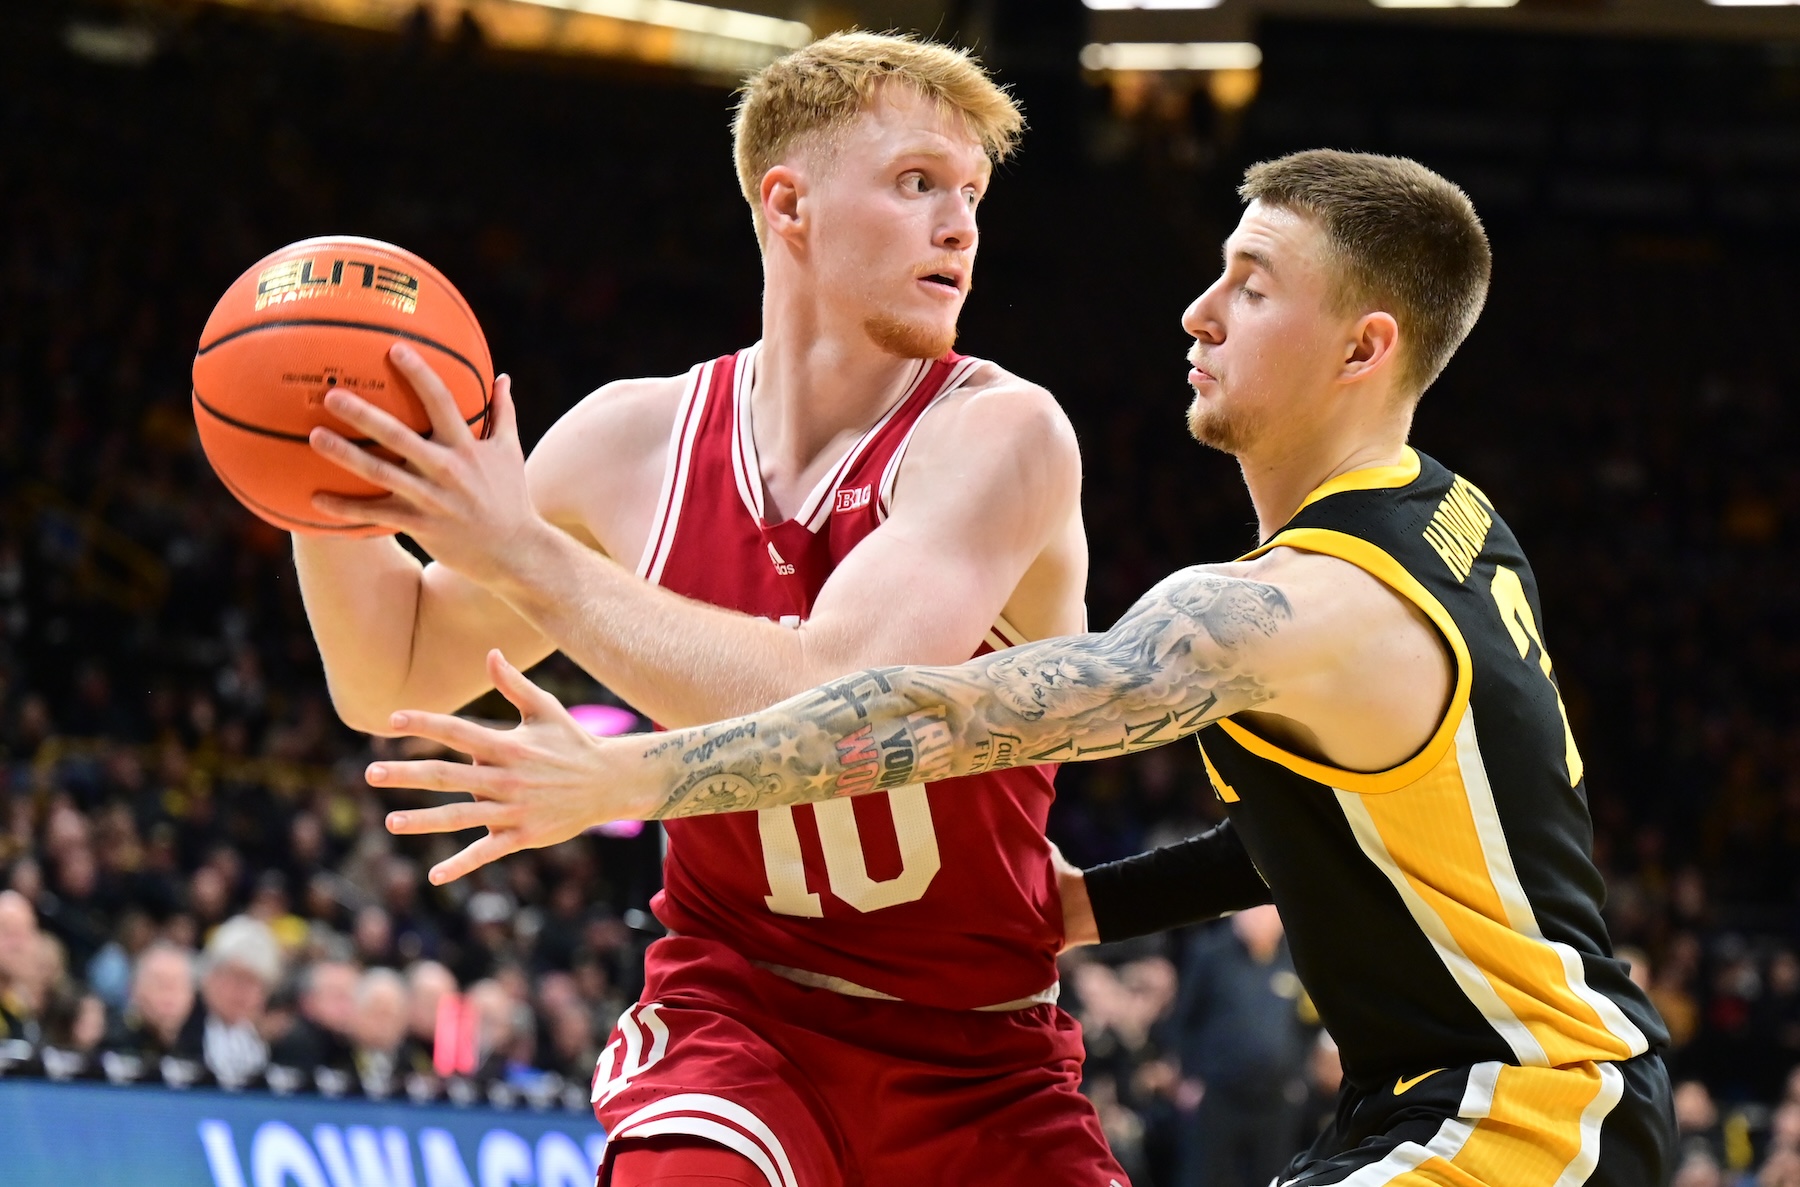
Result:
[1630,400]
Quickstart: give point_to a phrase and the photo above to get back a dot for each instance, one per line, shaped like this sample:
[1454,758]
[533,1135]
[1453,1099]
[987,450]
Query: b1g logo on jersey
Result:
[854,500]
[299,280]
[782,567]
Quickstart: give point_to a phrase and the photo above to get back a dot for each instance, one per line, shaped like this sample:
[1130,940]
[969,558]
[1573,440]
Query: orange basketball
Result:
[315,315]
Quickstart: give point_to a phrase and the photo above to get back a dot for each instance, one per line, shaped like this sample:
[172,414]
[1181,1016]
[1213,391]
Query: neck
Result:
[820,378]
[1281,475]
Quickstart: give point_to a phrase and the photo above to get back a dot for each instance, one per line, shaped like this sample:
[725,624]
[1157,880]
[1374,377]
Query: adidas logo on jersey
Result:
[781,566]
[853,500]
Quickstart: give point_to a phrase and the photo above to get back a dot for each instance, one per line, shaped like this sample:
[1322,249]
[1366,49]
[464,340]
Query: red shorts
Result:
[820,1089]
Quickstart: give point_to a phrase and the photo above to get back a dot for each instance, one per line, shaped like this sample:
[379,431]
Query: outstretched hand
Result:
[539,783]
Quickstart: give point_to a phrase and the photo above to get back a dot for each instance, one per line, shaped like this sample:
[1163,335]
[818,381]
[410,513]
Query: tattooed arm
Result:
[1332,662]
[1181,658]
[1194,649]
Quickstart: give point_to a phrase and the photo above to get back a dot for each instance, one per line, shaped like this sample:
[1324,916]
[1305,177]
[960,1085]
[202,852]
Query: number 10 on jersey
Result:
[846,867]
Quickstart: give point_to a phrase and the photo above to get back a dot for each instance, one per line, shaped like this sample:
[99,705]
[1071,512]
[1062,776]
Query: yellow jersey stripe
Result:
[1520,916]
[1470,976]
[1443,836]
[1542,1130]
[1402,473]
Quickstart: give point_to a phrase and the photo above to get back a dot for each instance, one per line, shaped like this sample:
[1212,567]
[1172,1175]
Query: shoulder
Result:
[1332,592]
[1004,419]
[625,425]
[622,413]
[1342,618]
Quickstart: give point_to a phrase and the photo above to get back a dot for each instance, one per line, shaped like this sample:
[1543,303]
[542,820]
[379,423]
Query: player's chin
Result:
[912,337]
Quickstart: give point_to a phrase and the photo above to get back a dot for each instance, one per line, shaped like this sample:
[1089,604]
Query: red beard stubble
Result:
[908,339]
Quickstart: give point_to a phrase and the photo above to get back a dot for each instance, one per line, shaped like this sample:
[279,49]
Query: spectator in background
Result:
[162,1000]
[427,983]
[1777,1023]
[491,941]
[1130,1072]
[1698,1168]
[1324,1076]
[1781,1158]
[503,1046]
[1674,988]
[378,1031]
[572,1050]
[1697,1122]
[241,964]
[1244,1045]
[19,1003]
[74,1023]
[74,913]
[372,936]
[109,974]
[415,936]
[561,935]
[321,1036]
[269,903]
[1637,965]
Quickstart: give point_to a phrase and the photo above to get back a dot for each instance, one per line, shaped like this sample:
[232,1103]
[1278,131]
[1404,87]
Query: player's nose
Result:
[1198,319]
[956,231]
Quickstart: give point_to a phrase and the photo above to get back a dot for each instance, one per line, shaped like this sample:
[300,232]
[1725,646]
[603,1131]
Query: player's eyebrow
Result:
[1259,259]
[931,153]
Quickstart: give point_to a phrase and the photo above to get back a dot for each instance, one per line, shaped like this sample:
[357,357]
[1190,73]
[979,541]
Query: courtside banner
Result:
[102,1136]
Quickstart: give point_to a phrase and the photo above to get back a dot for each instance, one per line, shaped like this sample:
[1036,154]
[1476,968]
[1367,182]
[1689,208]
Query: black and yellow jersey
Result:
[1447,911]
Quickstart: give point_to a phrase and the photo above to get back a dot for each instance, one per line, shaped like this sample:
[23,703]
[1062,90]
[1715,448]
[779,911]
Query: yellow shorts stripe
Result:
[1542,1129]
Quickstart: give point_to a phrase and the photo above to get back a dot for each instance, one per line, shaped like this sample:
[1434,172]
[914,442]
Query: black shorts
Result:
[1598,1124]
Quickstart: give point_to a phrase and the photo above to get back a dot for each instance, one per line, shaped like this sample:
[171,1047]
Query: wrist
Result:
[532,550]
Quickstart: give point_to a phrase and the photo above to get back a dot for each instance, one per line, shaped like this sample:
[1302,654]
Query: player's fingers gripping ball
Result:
[317,315]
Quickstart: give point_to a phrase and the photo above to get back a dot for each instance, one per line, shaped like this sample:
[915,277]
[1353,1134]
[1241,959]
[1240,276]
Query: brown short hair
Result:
[823,86]
[1407,241]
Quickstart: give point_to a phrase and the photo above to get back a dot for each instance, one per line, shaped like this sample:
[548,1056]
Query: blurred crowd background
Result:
[193,881]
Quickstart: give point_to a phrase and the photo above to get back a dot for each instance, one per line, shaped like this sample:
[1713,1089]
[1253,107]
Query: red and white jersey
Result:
[939,894]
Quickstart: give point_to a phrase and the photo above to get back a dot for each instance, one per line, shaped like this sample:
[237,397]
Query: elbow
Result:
[363,714]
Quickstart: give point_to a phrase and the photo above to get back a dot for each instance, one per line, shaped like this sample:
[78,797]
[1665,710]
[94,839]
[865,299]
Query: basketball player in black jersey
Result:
[1370,691]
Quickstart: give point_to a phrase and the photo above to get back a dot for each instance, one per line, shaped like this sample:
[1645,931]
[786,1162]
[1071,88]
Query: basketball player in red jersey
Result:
[861,992]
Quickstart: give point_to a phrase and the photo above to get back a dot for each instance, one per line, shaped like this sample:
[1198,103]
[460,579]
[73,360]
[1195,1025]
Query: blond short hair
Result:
[1406,240]
[822,87]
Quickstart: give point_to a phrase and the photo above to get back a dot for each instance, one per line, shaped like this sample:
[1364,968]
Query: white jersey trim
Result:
[718,1120]
[1467,974]
[1004,634]
[688,415]
[1505,877]
[743,453]
[890,474]
[1447,1143]
[816,508]
[1612,1090]
[1046,996]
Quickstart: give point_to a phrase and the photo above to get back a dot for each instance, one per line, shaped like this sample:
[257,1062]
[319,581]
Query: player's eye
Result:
[1250,294]
[914,183]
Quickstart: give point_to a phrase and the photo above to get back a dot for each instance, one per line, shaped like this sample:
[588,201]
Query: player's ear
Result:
[1371,348]
[781,195]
